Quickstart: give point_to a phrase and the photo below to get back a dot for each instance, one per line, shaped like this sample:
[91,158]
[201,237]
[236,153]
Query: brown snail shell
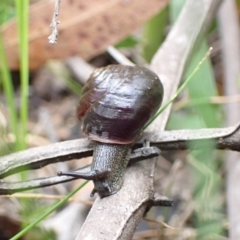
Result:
[117,102]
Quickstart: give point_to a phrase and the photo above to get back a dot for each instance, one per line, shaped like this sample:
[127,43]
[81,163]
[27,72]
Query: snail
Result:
[116,102]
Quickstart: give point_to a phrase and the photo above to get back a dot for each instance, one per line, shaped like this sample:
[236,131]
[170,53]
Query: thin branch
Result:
[118,56]
[220,138]
[13,187]
[80,69]
[53,37]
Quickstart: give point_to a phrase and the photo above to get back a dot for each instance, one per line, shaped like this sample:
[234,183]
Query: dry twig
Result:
[53,37]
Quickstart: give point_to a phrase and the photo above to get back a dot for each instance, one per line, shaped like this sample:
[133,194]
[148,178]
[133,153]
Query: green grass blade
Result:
[22,20]
[8,89]
[204,86]
[153,34]
[62,74]
[52,209]
[183,86]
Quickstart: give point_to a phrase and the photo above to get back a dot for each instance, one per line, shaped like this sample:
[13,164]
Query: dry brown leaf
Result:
[86,28]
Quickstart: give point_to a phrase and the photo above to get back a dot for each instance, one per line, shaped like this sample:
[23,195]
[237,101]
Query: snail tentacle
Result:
[91,175]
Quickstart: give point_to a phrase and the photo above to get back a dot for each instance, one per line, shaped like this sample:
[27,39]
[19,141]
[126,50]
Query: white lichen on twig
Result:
[53,37]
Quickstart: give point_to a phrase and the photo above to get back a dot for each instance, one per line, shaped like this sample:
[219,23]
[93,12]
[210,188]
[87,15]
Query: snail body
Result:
[116,102]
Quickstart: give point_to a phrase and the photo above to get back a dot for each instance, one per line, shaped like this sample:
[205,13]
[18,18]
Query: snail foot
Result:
[107,186]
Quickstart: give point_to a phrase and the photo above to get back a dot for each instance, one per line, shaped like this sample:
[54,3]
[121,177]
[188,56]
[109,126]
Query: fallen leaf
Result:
[86,28]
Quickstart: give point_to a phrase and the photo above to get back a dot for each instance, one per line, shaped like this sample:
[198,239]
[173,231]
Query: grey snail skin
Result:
[116,102]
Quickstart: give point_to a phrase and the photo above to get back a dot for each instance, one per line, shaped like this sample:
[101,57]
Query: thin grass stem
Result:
[52,209]
[181,88]
[8,90]
[22,17]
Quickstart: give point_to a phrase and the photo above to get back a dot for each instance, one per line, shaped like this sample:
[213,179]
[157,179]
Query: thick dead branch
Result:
[34,158]
[12,187]
[80,69]
[230,37]
[134,197]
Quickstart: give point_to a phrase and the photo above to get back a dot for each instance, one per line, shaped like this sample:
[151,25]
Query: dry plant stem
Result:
[213,100]
[230,35]
[118,56]
[53,37]
[79,68]
[34,158]
[159,222]
[223,138]
[13,187]
[169,63]
[147,234]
